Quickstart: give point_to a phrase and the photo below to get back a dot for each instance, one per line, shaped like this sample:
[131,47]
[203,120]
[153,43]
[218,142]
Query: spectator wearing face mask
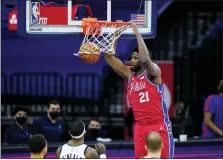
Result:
[180,111]
[179,118]
[18,133]
[51,126]
[95,132]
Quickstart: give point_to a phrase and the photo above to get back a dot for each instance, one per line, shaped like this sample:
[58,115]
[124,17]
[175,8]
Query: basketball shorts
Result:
[165,132]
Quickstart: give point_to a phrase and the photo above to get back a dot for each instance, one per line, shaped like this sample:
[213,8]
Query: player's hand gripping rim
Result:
[116,36]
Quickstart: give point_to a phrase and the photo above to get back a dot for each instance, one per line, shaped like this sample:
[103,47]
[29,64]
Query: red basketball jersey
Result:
[146,100]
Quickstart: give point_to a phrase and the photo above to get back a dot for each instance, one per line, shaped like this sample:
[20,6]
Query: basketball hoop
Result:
[102,33]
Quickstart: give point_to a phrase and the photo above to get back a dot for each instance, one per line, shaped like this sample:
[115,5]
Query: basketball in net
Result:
[96,40]
[89,52]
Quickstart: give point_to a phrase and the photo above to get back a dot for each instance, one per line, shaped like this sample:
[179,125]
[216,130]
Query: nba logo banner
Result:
[35,13]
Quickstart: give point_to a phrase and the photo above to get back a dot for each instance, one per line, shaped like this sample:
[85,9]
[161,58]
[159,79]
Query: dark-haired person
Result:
[145,95]
[37,146]
[18,133]
[153,145]
[95,132]
[51,126]
[76,149]
[213,115]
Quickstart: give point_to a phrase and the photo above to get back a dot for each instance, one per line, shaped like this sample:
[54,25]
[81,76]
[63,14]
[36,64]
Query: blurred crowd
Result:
[51,125]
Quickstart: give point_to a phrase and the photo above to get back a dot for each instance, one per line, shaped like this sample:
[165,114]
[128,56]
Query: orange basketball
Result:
[90,52]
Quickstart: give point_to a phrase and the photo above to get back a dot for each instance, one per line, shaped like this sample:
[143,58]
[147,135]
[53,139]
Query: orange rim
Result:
[88,22]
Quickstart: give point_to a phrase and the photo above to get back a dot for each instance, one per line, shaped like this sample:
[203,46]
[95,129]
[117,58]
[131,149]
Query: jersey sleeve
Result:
[209,104]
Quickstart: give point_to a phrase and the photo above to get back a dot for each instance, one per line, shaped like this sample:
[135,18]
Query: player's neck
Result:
[76,142]
[36,156]
[138,73]
[153,155]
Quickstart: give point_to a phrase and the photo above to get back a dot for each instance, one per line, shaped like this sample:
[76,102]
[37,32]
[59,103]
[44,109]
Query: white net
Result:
[104,40]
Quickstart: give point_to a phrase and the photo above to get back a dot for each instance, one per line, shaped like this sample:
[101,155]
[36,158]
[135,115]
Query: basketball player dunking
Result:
[145,96]
[76,149]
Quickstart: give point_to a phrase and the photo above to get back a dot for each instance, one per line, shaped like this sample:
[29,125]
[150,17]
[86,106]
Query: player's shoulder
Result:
[131,74]
[91,153]
[58,151]
[59,148]
[157,67]
[90,149]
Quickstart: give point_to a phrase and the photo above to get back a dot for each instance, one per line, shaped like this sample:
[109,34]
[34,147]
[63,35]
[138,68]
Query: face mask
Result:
[21,120]
[94,131]
[54,115]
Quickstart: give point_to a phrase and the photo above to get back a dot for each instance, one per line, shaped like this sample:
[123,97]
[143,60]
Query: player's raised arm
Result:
[117,65]
[144,55]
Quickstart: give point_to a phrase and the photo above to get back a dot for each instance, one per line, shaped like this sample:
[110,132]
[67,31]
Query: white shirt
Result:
[73,152]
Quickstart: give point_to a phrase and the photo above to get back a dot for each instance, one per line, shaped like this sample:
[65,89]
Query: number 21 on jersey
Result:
[144,97]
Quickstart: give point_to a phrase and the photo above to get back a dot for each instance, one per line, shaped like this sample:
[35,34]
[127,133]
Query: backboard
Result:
[52,18]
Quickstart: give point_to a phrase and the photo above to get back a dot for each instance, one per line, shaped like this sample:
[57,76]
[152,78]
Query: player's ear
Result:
[44,151]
